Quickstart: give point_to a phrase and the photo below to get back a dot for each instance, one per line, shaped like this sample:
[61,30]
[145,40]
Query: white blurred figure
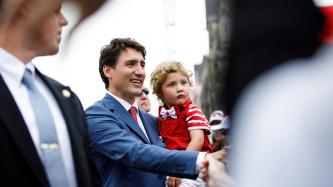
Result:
[221,134]
[283,127]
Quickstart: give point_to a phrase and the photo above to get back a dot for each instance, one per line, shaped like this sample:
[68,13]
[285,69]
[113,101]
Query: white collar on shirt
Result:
[124,103]
[12,69]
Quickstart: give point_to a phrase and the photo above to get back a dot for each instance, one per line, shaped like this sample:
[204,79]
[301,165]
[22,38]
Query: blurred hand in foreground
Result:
[213,171]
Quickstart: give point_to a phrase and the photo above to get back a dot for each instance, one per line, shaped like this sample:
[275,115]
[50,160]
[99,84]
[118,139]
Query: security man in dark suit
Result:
[43,131]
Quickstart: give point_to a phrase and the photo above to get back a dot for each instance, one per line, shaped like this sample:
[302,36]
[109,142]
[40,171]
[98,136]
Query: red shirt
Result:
[175,132]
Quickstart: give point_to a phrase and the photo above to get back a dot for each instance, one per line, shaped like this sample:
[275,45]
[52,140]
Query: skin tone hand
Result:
[218,155]
[213,172]
[173,181]
[203,167]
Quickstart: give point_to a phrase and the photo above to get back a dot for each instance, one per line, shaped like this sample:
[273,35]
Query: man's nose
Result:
[140,70]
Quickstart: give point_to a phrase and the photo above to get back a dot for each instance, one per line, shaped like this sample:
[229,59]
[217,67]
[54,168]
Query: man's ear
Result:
[107,70]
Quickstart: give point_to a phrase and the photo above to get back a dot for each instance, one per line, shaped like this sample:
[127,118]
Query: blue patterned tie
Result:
[51,156]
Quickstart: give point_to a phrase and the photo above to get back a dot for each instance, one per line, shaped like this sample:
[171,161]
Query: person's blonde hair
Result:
[161,72]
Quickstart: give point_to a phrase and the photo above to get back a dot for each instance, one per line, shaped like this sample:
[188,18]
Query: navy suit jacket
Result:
[123,154]
[20,164]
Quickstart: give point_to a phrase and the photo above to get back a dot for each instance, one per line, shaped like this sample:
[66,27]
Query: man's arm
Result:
[111,138]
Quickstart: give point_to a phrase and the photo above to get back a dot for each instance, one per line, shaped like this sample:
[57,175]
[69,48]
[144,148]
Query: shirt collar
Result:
[124,103]
[181,106]
[12,68]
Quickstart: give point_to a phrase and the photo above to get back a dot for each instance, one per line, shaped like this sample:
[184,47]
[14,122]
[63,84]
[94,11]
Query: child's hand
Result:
[173,182]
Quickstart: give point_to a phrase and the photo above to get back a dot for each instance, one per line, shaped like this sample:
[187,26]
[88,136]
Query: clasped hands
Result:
[212,170]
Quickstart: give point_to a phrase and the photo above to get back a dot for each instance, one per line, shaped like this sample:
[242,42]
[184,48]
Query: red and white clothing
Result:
[174,128]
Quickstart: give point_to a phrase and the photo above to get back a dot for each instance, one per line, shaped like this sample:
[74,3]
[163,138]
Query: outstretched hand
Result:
[218,155]
[213,170]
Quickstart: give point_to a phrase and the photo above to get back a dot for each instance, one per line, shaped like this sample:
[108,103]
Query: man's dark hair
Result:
[1,5]
[111,52]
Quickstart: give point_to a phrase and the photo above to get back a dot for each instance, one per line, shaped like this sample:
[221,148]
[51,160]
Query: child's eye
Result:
[171,84]
[183,82]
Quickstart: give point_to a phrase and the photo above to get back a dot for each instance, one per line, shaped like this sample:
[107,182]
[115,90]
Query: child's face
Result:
[175,89]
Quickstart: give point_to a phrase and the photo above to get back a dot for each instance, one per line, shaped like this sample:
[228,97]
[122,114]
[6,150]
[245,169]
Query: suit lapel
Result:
[124,116]
[14,122]
[63,96]
[151,132]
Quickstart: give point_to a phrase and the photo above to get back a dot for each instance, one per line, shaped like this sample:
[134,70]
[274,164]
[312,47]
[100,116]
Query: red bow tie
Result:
[166,113]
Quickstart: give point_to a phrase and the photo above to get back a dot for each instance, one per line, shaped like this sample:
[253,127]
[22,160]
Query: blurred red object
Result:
[327,33]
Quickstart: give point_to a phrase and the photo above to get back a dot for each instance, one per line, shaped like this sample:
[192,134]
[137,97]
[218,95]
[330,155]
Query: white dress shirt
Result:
[12,70]
[127,106]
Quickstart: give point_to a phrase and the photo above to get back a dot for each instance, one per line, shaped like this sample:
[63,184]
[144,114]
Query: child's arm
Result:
[197,140]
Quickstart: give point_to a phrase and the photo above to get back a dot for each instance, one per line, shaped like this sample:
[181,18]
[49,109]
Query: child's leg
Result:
[193,183]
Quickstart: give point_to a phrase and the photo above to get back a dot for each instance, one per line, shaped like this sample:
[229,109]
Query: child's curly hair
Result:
[161,72]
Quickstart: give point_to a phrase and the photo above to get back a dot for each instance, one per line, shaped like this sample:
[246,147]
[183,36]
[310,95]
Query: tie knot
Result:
[27,79]
[132,110]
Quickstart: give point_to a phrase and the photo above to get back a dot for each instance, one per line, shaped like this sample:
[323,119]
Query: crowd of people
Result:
[50,141]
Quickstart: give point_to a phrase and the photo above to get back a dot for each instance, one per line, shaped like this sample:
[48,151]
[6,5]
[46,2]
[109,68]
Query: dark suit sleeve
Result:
[110,138]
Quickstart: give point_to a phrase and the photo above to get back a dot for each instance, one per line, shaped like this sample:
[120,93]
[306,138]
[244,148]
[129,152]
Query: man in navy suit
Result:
[124,139]
[28,30]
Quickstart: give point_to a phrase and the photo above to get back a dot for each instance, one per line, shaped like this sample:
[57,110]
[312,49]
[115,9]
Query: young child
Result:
[182,125]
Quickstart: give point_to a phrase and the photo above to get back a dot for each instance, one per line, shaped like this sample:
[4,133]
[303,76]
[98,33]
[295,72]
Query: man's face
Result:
[144,102]
[127,77]
[47,30]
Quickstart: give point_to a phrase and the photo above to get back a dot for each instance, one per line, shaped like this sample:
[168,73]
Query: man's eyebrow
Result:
[135,60]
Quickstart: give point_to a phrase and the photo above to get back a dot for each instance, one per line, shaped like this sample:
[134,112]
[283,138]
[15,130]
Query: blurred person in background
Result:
[220,126]
[276,31]
[43,130]
[220,134]
[143,100]
[215,120]
[281,130]
[293,132]
[287,139]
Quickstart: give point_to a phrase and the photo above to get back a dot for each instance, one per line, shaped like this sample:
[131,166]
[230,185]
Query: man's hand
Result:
[218,155]
[173,182]
[213,171]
